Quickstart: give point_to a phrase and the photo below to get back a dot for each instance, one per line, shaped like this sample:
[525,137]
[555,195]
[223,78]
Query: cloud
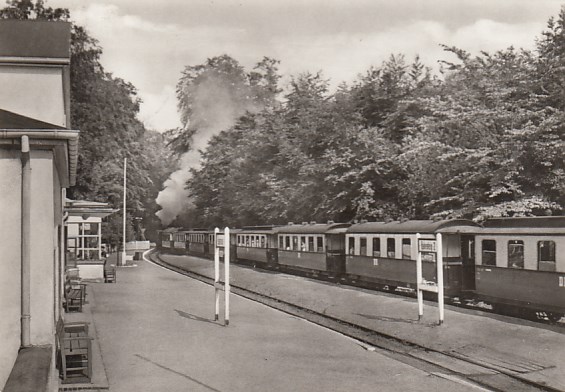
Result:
[343,56]
[149,43]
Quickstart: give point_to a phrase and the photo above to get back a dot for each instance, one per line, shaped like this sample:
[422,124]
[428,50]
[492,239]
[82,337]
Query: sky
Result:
[148,42]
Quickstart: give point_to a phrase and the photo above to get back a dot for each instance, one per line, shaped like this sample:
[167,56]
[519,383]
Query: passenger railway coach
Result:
[385,252]
[515,264]
[257,245]
[318,247]
[520,264]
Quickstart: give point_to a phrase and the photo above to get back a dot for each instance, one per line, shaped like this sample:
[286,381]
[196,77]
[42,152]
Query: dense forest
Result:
[483,137]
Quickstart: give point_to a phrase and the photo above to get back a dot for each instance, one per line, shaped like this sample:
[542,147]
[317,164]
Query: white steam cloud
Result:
[216,106]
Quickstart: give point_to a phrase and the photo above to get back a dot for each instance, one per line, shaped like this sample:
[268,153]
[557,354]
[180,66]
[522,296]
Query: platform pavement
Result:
[156,333]
[525,349]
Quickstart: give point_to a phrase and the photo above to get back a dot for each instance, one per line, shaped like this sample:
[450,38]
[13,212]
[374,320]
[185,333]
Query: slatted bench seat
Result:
[109,274]
[74,296]
[74,352]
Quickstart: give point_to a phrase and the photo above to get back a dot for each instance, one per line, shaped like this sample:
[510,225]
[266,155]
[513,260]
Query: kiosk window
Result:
[489,252]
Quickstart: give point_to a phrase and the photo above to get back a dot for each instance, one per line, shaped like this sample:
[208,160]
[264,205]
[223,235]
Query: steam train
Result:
[517,265]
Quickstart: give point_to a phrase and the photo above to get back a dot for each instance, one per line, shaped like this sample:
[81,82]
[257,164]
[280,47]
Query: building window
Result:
[406,248]
[515,254]
[363,246]
[390,248]
[489,252]
[85,243]
[351,245]
[376,247]
[546,256]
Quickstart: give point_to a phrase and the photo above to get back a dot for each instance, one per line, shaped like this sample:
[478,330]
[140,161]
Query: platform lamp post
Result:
[123,258]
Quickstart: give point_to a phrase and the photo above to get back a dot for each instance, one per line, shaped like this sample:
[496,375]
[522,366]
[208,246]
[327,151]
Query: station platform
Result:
[524,349]
[155,331]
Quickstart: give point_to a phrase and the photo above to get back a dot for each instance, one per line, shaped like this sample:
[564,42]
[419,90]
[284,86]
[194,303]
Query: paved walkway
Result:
[156,333]
[529,350]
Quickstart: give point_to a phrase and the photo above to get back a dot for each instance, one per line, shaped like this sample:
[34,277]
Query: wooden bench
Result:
[109,274]
[74,352]
[75,296]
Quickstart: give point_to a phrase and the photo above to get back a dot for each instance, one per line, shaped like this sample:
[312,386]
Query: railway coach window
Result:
[311,244]
[489,252]
[516,254]
[376,247]
[390,248]
[295,242]
[363,246]
[406,248]
[351,245]
[320,243]
[546,256]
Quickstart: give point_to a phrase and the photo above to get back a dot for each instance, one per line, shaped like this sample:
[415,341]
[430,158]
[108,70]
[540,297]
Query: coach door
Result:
[468,259]
[335,254]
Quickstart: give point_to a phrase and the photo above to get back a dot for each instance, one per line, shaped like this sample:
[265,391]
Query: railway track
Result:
[452,366]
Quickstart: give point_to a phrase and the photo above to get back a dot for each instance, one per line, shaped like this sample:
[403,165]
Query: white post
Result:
[419,279]
[217,273]
[123,261]
[440,277]
[100,240]
[227,274]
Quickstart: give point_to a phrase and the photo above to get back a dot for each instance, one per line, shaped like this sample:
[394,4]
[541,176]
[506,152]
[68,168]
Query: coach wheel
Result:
[553,317]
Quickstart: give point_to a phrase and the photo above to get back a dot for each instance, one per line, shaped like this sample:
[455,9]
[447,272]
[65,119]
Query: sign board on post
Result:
[222,249]
[430,250]
[220,240]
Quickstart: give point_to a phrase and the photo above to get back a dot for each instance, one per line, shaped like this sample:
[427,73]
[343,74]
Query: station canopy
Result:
[87,209]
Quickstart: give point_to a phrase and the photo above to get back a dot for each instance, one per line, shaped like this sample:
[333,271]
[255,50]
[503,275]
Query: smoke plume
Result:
[216,105]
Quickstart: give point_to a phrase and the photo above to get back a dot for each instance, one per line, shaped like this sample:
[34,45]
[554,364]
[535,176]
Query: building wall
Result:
[42,100]
[10,288]
[43,257]
[43,247]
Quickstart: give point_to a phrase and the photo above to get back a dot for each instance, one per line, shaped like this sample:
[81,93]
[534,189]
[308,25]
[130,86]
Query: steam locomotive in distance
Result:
[517,265]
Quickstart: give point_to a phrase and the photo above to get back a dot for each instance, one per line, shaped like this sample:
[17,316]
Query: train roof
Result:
[270,229]
[527,221]
[525,225]
[312,228]
[413,226]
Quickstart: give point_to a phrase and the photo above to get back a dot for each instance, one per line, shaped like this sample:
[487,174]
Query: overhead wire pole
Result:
[123,261]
